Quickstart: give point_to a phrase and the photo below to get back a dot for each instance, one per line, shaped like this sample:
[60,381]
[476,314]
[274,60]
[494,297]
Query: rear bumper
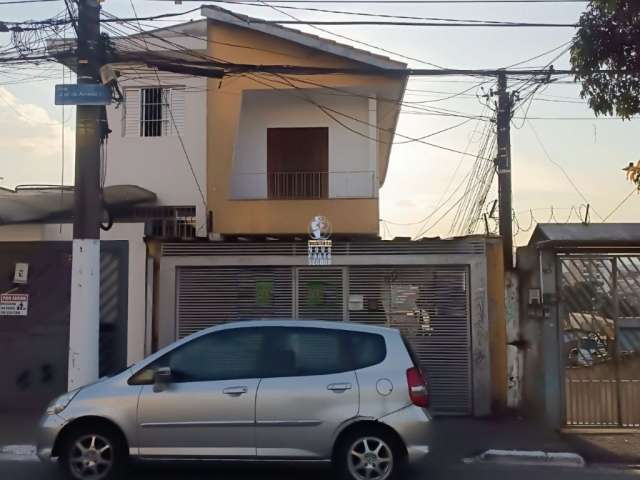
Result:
[48,430]
[415,427]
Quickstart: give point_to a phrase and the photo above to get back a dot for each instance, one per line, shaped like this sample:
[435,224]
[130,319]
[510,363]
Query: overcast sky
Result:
[591,151]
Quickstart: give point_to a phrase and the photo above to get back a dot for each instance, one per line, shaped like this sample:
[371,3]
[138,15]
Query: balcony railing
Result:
[292,185]
[303,185]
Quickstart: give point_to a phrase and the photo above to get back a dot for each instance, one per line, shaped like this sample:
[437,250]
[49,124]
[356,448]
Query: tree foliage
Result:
[608,38]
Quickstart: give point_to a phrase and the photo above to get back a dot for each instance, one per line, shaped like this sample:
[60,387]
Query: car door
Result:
[307,392]
[207,409]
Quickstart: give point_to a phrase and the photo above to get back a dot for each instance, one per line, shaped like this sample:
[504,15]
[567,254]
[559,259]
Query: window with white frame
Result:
[153,111]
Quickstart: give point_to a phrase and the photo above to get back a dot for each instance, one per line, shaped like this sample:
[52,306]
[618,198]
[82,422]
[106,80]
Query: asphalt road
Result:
[32,470]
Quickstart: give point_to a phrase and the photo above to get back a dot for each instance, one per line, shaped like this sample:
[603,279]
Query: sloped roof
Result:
[223,15]
[595,234]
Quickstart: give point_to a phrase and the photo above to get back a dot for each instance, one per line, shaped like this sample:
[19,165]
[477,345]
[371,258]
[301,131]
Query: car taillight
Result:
[417,387]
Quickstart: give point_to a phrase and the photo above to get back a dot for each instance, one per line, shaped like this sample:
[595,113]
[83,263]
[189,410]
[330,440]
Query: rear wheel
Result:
[93,453]
[369,454]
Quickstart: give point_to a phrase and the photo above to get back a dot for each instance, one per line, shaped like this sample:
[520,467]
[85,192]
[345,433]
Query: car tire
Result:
[93,453]
[369,454]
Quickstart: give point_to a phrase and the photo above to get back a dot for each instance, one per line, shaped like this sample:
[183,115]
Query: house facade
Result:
[239,168]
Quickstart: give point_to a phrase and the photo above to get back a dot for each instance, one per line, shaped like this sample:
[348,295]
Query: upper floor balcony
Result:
[303,185]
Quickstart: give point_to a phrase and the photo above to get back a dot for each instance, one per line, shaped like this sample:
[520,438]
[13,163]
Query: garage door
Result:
[209,296]
[431,307]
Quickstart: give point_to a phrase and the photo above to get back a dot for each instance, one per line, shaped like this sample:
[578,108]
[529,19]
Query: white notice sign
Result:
[14,304]
[319,252]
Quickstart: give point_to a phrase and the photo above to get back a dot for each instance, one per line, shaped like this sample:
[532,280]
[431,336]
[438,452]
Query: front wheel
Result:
[93,453]
[369,455]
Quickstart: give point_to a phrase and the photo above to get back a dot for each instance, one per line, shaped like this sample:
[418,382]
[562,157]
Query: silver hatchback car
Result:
[285,390]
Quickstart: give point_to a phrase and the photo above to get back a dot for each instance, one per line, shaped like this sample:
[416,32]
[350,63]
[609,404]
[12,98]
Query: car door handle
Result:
[339,387]
[234,390]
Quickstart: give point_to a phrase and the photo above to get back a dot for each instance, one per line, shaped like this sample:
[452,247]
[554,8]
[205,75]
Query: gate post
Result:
[551,346]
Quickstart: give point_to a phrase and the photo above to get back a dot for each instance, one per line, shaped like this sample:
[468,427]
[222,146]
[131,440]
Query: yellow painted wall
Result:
[497,324]
[239,45]
[21,233]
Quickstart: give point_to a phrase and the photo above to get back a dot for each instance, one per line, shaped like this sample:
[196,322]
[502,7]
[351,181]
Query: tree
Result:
[608,38]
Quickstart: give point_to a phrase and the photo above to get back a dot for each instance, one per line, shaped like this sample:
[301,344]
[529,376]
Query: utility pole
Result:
[84,325]
[503,122]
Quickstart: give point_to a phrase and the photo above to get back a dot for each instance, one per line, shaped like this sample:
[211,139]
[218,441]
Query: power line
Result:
[414,24]
[564,172]
[426,2]
[624,200]
[372,14]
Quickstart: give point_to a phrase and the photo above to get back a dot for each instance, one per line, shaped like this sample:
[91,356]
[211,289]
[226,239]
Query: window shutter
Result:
[176,116]
[131,113]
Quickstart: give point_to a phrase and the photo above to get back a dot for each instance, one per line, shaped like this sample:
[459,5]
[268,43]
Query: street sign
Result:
[82,94]
[14,304]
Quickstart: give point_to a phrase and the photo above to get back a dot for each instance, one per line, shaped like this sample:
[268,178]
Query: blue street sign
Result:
[82,94]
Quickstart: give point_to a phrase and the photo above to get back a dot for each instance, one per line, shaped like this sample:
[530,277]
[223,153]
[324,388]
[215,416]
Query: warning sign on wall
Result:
[14,304]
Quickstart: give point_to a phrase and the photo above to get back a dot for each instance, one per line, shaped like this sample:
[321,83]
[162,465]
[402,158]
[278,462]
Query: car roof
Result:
[336,325]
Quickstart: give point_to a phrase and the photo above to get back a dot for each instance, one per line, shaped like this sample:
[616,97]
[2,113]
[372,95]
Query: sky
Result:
[569,164]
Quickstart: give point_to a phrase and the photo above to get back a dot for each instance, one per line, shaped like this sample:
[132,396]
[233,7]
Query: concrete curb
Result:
[18,453]
[528,457]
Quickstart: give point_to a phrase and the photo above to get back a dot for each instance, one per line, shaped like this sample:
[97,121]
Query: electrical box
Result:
[21,273]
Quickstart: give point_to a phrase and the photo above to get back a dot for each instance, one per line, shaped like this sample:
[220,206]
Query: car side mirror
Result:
[161,378]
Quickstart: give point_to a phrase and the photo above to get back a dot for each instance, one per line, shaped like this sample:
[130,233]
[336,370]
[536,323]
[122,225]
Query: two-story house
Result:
[247,167]
[280,150]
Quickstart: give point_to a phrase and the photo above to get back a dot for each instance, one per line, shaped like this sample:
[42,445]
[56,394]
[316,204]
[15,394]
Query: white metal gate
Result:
[208,296]
[429,304]
[319,293]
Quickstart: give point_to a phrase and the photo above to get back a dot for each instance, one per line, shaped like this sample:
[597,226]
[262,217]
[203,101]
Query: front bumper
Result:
[415,427]
[48,430]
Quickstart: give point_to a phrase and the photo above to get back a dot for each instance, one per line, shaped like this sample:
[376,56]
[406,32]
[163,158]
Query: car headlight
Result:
[60,403]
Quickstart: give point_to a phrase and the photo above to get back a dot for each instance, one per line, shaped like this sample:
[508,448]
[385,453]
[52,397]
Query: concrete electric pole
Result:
[84,327]
[504,170]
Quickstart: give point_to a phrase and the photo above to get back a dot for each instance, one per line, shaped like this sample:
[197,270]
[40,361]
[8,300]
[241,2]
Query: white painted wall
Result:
[133,233]
[159,164]
[350,161]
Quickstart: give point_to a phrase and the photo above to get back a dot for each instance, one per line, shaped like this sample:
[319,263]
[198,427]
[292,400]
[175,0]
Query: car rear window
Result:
[367,349]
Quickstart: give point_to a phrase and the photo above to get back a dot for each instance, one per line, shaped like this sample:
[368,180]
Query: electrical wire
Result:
[622,202]
[378,15]
[425,2]
[564,172]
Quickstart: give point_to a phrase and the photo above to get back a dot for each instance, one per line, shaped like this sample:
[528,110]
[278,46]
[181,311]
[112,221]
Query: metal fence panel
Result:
[600,322]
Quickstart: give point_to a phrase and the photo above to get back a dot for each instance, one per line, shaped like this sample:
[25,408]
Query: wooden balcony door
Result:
[298,162]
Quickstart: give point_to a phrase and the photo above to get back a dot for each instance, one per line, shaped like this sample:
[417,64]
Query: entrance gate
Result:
[600,326]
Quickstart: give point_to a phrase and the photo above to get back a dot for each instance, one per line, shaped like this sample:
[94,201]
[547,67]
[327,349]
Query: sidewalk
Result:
[468,437]
[464,437]
[18,427]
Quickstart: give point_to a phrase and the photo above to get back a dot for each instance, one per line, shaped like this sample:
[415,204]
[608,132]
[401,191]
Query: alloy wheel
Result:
[370,458]
[91,457]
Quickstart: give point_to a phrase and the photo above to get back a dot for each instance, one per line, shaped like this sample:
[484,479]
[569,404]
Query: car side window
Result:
[224,355]
[300,351]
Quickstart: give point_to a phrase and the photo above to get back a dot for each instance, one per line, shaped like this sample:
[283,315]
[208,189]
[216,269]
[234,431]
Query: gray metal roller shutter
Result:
[444,352]
[320,294]
[209,296]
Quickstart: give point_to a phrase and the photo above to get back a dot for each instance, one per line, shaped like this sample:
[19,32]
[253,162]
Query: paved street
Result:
[31,470]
